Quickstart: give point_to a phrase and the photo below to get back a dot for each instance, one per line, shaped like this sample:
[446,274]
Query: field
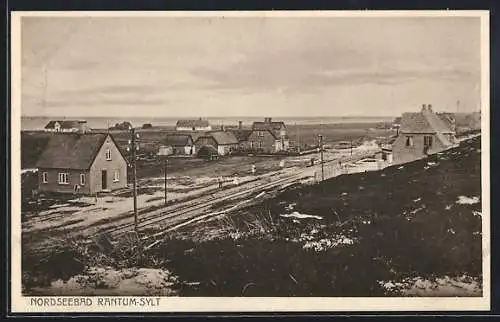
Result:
[407,230]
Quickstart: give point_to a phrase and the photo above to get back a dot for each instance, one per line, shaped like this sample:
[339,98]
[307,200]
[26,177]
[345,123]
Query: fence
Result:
[334,170]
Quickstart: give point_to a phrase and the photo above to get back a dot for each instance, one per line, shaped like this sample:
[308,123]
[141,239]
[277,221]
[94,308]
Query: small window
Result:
[409,141]
[116,176]
[82,179]
[63,178]
[108,154]
[428,141]
[45,176]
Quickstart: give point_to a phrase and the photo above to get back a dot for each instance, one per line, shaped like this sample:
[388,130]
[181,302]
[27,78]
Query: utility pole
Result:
[351,146]
[165,165]
[134,147]
[321,154]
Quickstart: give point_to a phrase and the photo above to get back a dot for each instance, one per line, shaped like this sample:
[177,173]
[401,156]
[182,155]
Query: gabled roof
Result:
[241,135]
[262,126]
[71,151]
[273,134]
[65,124]
[192,123]
[426,122]
[224,137]
[178,140]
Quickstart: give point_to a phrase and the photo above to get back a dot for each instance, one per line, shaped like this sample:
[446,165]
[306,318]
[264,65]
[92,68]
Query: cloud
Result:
[82,103]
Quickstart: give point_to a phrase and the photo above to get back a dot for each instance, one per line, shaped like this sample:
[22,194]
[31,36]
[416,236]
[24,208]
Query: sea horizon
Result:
[99,122]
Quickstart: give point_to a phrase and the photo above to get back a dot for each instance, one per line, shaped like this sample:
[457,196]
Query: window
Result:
[116,176]
[82,179]
[45,178]
[260,133]
[428,141]
[63,178]
[108,154]
[409,141]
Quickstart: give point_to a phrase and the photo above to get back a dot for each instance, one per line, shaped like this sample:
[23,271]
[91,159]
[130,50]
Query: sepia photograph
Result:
[326,160]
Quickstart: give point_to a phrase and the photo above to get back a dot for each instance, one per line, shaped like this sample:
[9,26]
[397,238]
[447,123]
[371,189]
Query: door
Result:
[104,180]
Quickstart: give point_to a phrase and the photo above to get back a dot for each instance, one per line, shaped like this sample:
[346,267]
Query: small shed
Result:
[208,152]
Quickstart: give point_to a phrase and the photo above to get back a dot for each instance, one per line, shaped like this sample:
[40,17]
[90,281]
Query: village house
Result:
[67,126]
[422,134]
[224,142]
[180,144]
[81,163]
[268,137]
[193,125]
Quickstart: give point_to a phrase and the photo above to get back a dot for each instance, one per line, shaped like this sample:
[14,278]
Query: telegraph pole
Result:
[165,165]
[321,154]
[134,147]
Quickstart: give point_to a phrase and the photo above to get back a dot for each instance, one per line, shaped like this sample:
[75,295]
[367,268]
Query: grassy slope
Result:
[415,228]
[431,242]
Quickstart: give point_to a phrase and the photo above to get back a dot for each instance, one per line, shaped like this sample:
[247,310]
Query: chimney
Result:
[240,124]
[269,119]
[429,107]
[424,107]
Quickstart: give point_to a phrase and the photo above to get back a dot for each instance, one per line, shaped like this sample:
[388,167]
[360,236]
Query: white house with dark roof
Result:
[81,163]
[422,134]
[193,125]
[67,126]
[224,142]
[180,144]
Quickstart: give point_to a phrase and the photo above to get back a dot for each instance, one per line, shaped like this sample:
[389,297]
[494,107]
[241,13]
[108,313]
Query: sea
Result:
[33,123]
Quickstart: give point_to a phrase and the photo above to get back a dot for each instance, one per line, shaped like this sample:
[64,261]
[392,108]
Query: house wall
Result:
[402,153]
[265,144]
[117,162]
[225,149]
[53,184]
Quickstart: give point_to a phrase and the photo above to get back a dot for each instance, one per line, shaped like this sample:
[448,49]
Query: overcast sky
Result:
[167,66]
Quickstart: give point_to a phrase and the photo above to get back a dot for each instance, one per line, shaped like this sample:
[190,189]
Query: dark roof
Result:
[71,151]
[178,140]
[192,123]
[65,124]
[241,135]
[273,134]
[262,126]
[224,137]
[425,122]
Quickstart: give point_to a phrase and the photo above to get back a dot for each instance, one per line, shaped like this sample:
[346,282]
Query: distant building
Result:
[81,163]
[67,126]
[180,144]
[224,142]
[193,125]
[422,134]
[268,137]
[242,136]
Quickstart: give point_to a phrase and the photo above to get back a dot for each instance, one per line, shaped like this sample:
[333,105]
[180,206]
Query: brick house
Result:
[269,136]
[81,163]
[422,134]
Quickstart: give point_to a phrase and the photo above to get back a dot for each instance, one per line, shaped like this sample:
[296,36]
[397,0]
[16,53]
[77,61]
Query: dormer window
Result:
[108,154]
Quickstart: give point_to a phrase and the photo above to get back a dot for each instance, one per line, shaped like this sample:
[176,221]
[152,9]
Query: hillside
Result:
[412,229]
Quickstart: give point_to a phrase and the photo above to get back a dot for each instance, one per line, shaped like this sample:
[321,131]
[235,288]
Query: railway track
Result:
[188,212]
[179,215]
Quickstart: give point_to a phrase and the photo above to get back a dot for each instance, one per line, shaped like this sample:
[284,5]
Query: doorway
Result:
[104,180]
